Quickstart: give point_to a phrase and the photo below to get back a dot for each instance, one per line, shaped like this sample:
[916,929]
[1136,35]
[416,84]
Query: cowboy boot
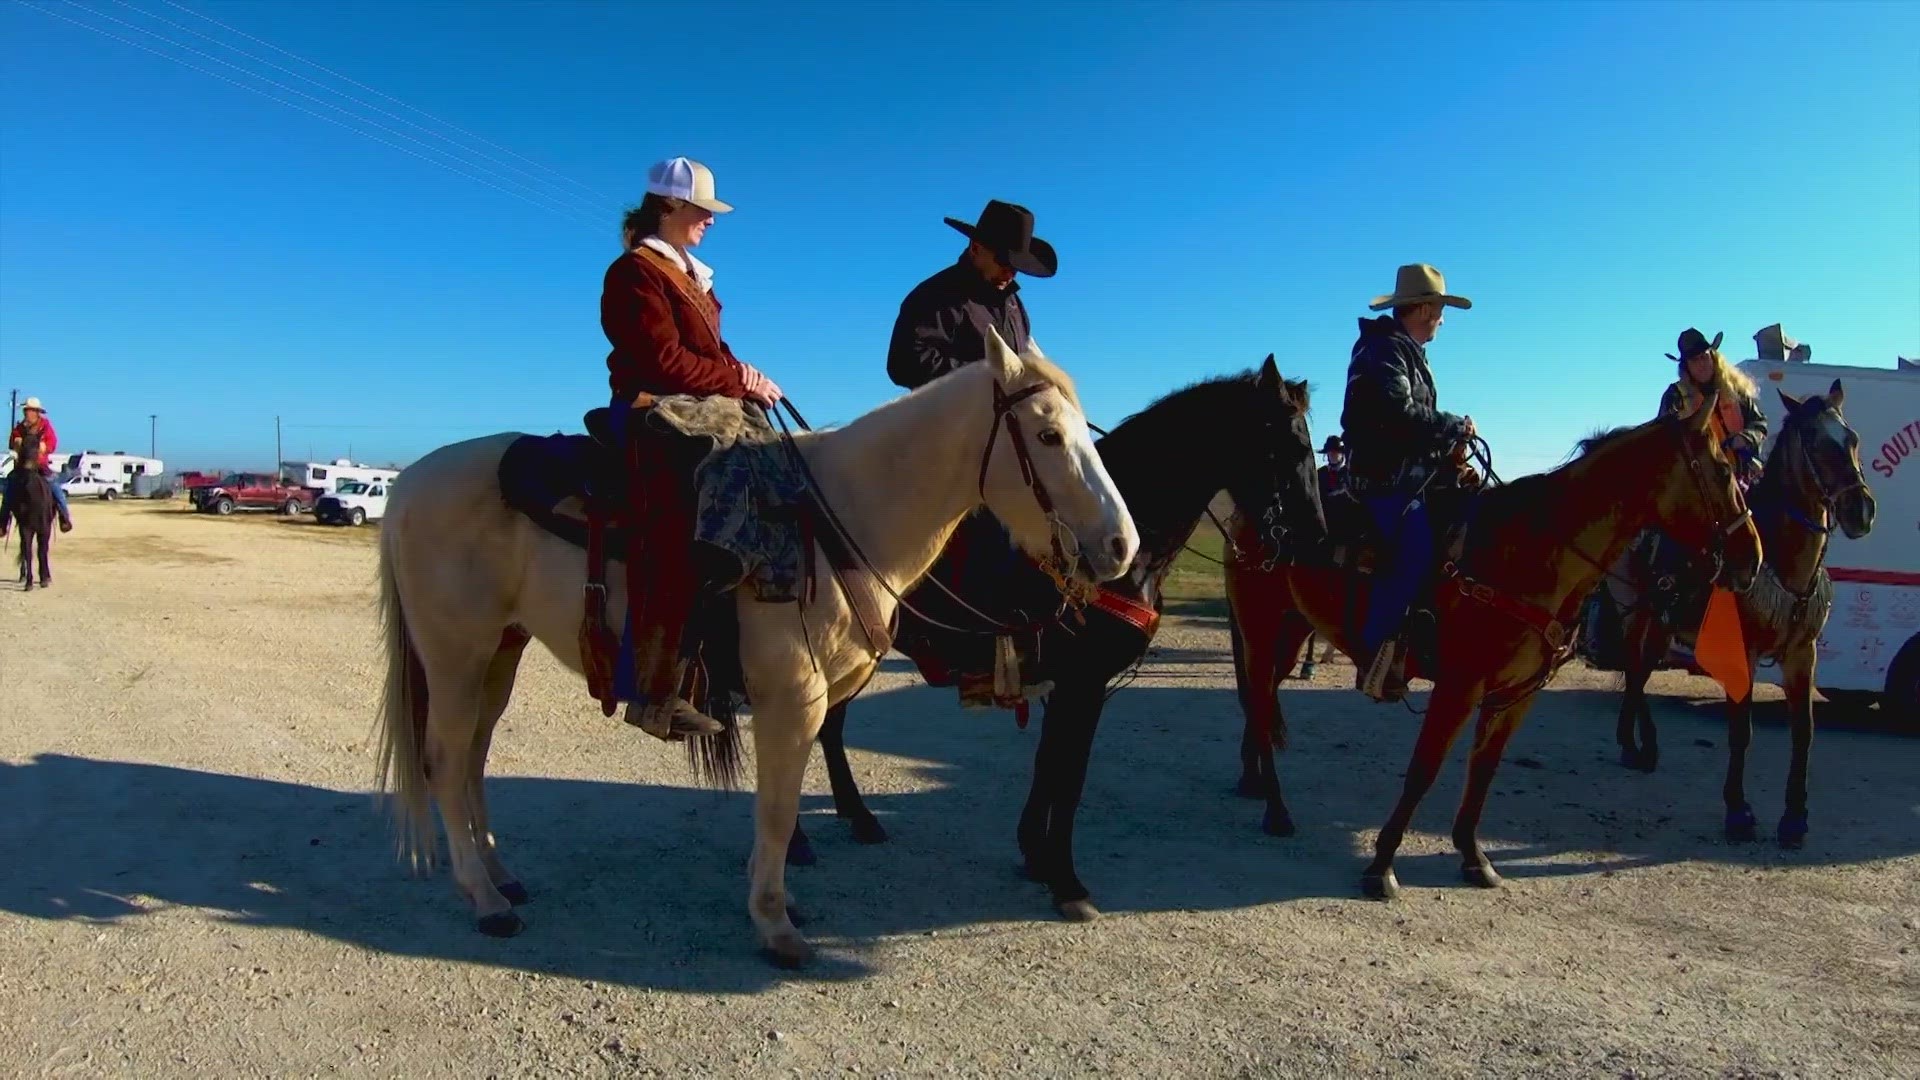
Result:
[661,710]
[66,521]
[1384,678]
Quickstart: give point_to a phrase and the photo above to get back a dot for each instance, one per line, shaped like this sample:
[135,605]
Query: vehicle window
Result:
[352,487]
[317,474]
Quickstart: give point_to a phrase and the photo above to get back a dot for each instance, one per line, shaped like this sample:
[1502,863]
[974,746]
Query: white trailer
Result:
[1871,645]
[327,476]
[116,470]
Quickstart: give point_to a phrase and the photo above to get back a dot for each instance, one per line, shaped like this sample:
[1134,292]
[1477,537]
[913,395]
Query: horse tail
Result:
[715,760]
[400,765]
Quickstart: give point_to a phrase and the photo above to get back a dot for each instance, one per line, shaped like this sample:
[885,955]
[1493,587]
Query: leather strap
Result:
[1141,617]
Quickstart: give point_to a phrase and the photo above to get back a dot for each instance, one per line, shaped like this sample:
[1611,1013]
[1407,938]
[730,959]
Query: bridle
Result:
[1074,593]
[1828,501]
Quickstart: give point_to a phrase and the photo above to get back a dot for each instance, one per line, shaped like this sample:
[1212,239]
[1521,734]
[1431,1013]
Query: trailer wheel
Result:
[1902,694]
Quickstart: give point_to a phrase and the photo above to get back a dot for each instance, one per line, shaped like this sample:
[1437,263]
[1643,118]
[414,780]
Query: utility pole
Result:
[153,435]
[276,446]
[12,407]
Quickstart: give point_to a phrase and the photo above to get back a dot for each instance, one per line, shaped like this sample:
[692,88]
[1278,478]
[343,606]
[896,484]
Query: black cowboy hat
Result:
[1693,343]
[1333,443]
[1006,230]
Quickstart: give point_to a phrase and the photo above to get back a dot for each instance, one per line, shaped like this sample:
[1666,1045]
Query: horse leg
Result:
[1253,629]
[1797,675]
[1740,820]
[1073,714]
[847,801]
[1490,737]
[495,692]
[784,728]
[46,545]
[1642,755]
[1294,632]
[453,718]
[1447,711]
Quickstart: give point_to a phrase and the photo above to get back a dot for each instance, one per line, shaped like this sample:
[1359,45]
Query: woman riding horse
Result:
[659,311]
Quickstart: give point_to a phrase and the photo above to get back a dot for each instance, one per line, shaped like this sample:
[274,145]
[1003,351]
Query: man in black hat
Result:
[943,325]
[943,322]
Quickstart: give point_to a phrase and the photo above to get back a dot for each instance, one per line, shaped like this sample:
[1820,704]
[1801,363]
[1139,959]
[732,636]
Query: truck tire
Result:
[1900,701]
[357,517]
[109,495]
[223,506]
[291,508]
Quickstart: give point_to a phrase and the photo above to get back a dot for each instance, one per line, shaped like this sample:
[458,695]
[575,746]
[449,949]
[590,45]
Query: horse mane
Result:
[1296,392]
[1530,496]
[1053,373]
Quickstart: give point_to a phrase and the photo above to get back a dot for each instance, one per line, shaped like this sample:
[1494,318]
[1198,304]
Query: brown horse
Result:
[1812,483]
[1504,607]
[33,513]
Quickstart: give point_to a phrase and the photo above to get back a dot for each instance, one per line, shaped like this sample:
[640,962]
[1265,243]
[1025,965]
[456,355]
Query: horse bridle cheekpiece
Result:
[1059,567]
[1718,552]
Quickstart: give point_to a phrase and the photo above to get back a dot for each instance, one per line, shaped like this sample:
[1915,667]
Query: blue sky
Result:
[1222,180]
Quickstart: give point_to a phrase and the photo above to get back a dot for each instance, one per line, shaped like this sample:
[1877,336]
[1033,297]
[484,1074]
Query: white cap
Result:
[686,179]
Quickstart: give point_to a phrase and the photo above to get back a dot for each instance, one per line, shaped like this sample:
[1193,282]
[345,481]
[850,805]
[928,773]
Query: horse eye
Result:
[1051,437]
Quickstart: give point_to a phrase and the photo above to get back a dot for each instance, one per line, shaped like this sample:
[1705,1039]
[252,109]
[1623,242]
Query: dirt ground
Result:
[196,882]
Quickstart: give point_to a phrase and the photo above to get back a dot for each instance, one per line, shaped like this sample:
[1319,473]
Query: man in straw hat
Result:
[1398,445]
[31,445]
[945,323]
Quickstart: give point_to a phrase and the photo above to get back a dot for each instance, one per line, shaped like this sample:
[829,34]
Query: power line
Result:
[573,215]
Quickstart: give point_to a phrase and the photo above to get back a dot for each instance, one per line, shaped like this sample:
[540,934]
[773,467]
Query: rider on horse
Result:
[944,324]
[659,312]
[32,444]
[1401,447]
[1737,422]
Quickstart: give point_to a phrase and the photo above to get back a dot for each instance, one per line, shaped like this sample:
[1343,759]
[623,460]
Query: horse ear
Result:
[1269,377]
[1792,403]
[1006,363]
[1836,395]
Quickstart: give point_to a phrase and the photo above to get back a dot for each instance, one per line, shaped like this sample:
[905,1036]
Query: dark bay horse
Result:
[1246,435]
[33,514]
[1505,607]
[1811,485]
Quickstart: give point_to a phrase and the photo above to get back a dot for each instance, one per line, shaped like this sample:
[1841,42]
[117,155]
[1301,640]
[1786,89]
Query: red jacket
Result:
[665,332]
[49,442]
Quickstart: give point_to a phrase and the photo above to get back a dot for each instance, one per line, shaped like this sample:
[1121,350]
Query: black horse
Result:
[1244,434]
[33,513]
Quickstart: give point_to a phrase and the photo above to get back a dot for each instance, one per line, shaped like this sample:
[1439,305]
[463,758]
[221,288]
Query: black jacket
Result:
[943,324]
[1391,416]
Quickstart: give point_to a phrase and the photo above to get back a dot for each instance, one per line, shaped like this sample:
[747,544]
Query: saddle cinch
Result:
[1354,545]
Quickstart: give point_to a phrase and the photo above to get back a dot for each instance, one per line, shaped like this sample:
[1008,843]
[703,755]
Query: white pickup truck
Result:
[356,502]
[1871,645]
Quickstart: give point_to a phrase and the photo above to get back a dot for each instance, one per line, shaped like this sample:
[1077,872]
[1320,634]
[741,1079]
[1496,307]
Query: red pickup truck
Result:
[252,491]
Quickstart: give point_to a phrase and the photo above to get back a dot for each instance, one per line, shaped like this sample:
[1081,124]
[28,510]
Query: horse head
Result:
[1699,503]
[1271,474]
[1041,475]
[1817,460]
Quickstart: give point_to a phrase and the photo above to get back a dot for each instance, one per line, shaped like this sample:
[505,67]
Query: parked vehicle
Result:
[324,477]
[117,468]
[252,491]
[90,487]
[356,503]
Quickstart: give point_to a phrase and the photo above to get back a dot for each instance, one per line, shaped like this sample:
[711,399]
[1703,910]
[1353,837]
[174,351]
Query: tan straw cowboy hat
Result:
[1418,283]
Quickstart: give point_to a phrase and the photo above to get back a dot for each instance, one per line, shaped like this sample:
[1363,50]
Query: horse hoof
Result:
[1793,831]
[1277,823]
[503,924]
[1077,910]
[788,951]
[1640,760]
[1381,886]
[800,852]
[1740,825]
[867,830]
[1250,787]
[515,892]
[1480,876]
[794,916]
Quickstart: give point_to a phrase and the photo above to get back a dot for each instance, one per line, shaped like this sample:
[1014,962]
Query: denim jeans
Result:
[1408,538]
[59,494]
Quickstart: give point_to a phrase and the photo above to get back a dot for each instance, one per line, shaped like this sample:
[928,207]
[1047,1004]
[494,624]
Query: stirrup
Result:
[1384,679]
[671,721]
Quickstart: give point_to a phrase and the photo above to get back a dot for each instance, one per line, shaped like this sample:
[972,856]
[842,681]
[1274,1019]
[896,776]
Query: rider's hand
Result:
[1470,429]
[761,390]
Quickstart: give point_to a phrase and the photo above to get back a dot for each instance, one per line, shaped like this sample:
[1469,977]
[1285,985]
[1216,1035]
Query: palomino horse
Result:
[465,582]
[1504,605]
[33,514]
[1812,483]
[1245,435]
